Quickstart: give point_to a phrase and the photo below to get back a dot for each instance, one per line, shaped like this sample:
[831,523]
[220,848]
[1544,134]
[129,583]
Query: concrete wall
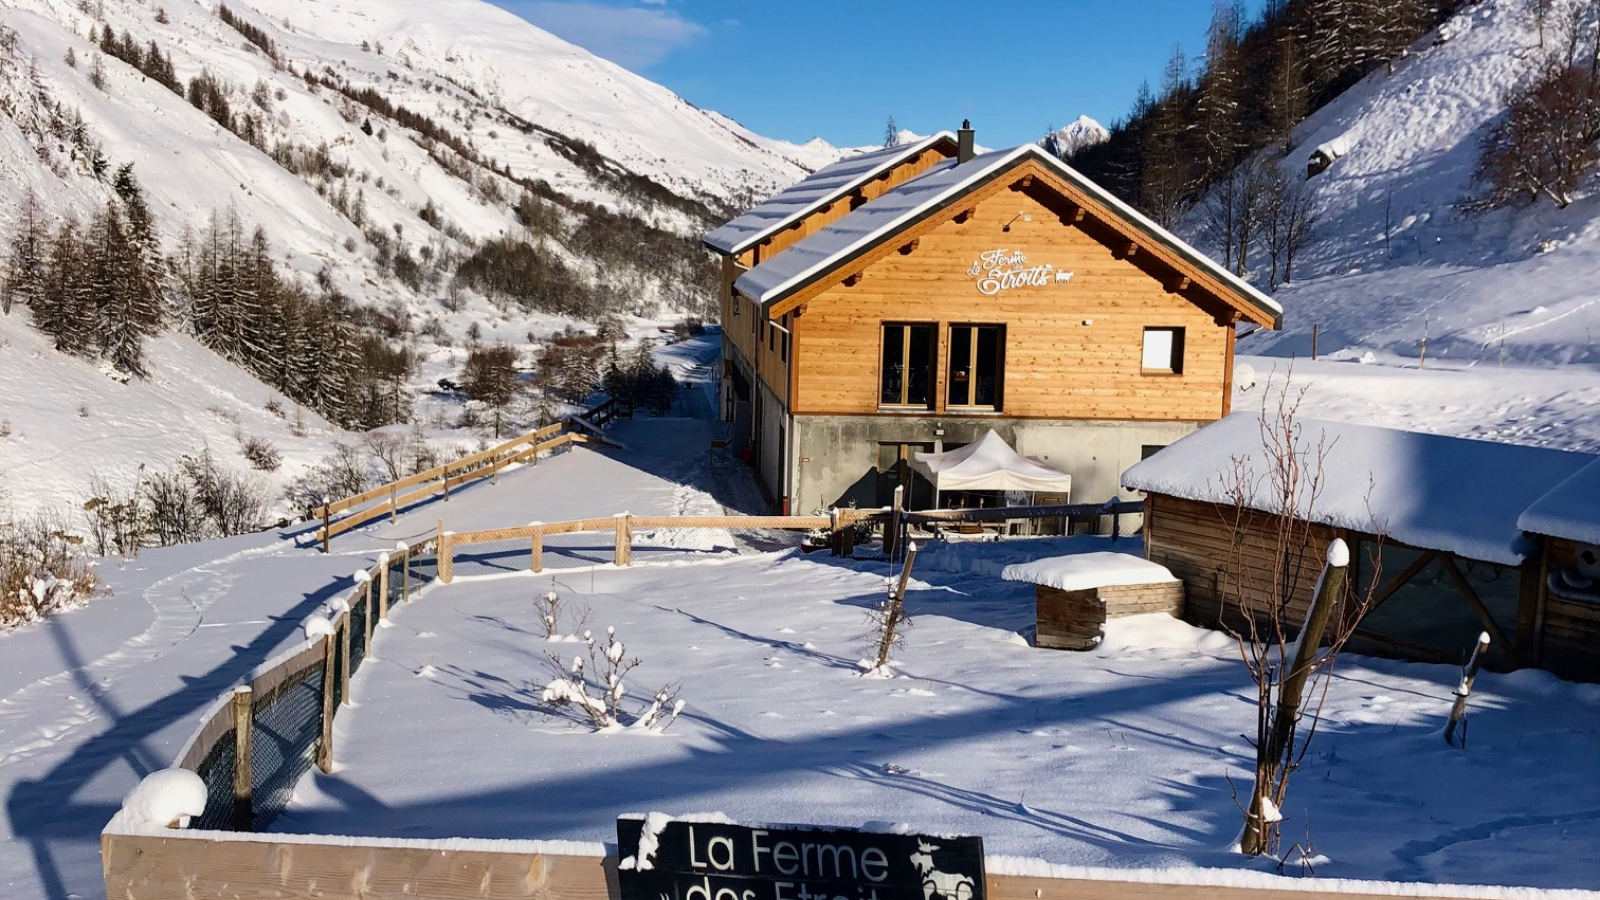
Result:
[838,455]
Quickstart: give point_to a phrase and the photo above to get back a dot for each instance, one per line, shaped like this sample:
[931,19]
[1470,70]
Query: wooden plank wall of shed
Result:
[1195,541]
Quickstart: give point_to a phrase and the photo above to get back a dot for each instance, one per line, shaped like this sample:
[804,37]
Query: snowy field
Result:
[1119,757]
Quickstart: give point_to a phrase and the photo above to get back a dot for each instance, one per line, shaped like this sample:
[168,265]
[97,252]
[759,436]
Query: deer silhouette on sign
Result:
[947,885]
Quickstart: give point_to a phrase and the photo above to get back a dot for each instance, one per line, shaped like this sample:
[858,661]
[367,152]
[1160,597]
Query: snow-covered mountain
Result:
[1078,134]
[360,129]
[1395,259]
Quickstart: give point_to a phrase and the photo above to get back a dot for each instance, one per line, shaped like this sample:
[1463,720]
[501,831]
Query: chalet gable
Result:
[952,192]
[847,178]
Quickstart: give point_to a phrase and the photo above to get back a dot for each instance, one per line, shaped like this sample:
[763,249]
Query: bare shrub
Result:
[604,672]
[262,455]
[115,517]
[1269,516]
[341,474]
[389,452]
[43,569]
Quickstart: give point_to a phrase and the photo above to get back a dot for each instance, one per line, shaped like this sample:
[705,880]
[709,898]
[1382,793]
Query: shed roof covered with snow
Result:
[1569,510]
[1441,493]
[821,188]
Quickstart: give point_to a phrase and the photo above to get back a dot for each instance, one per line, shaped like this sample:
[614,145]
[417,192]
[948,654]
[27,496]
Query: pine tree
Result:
[891,133]
[25,273]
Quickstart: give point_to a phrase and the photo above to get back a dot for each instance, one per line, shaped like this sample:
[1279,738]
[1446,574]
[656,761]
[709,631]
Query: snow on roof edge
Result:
[1560,512]
[1005,158]
[890,160]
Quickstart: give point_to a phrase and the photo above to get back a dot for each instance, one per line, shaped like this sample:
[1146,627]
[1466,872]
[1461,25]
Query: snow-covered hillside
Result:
[1394,257]
[325,152]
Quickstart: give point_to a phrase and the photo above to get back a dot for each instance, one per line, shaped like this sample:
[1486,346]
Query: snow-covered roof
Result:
[944,184]
[813,193]
[1082,571]
[1569,510]
[989,464]
[1426,490]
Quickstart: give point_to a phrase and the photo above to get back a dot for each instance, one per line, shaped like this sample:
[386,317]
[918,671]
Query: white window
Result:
[1163,351]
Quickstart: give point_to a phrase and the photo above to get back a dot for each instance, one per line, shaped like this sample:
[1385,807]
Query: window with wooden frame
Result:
[1162,352]
[977,366]
[905,375]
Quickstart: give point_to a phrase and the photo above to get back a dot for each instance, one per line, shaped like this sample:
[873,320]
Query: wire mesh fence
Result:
[216,770]
[493,558]
[358,633]
[285,728]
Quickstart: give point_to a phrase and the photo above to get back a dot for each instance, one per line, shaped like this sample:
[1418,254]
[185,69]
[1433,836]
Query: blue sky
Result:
[796,69]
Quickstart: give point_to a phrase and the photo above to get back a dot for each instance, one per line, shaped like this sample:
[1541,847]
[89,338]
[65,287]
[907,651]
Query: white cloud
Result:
[630,36]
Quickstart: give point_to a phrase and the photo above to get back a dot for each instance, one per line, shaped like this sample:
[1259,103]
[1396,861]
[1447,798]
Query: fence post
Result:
[538,546]
[444,479]
[624,555]
[405,572]
[325,742]
[243,704]
[1116,520]
[366,606]
[383,586]
[891,531]
[326,522]
[344,659]
[835,536]
[447,568]
[394,506]
[494,470]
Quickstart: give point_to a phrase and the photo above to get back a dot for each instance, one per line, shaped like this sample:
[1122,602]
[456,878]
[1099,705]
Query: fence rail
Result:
[257,740]
[220,866]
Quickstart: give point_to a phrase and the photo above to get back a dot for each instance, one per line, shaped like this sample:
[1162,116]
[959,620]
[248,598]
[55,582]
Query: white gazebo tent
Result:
[989,464]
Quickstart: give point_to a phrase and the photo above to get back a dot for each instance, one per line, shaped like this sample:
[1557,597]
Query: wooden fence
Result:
[389,499]
[229,724]
[193,865]
[621,527]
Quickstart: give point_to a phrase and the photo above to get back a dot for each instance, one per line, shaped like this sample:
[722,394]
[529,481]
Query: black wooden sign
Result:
[720,861]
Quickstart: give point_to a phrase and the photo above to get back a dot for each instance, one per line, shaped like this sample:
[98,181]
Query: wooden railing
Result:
[389,499]
[621,526]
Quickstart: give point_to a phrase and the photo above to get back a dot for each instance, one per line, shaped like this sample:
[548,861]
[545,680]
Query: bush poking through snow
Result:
[262,455]
[548,606]
[595,686]
[43,570]
[889,621]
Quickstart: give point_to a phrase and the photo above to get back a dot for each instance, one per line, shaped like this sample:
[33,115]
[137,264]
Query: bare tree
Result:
[1288,648]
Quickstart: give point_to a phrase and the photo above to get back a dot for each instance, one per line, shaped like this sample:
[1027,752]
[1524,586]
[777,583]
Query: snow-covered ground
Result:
[1120,757]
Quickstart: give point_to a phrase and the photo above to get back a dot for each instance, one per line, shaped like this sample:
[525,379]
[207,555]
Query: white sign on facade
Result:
[1003,270]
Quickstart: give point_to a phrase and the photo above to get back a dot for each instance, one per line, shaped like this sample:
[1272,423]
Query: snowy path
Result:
[92,700]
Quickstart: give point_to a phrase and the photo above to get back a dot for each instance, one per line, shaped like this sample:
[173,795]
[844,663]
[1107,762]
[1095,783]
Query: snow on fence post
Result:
[1458,711]
[537,539]
[624,554]
[835,547]
[243,708]
[404,550]
[325,739]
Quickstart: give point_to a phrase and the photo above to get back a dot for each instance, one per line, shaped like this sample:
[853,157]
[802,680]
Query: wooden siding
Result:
[1196,542]
[1570,629]
[1056,366]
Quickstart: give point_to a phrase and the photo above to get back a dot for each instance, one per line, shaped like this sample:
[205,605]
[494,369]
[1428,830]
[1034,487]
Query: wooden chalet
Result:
[911,299]
[1450,538]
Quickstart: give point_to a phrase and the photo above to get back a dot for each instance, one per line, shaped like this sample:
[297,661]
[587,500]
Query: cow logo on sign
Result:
[1004,270]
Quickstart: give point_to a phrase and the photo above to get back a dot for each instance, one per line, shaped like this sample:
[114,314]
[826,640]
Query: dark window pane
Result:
[986,391]
[893,354]
[1500,589]
[960,371]
[919,377]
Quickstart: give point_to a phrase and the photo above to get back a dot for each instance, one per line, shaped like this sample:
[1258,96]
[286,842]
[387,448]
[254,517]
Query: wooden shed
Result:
[1433,523]
[1566,523]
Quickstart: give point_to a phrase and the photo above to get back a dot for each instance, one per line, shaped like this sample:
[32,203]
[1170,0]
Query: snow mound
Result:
[317,627]
[1159,631]
[163,798]
[1083,571]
